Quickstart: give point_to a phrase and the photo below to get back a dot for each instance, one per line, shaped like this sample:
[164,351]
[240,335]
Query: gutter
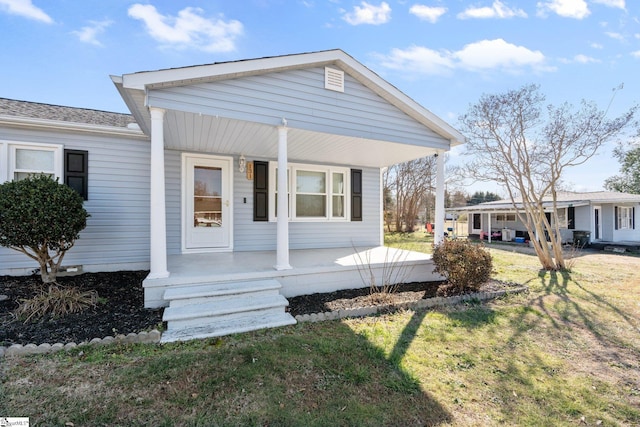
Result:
[44,124]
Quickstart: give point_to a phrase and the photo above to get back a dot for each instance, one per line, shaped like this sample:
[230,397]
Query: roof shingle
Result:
[12,107]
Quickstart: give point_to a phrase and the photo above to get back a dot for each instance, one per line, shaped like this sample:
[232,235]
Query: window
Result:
[19,160]
[316,193]
[624,217]
[505,217]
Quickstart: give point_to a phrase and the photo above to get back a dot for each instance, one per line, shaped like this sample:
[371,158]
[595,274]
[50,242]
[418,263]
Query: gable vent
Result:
[333,79]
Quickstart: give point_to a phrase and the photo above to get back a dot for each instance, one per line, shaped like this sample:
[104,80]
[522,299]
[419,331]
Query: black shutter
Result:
[76,171]
[260,191]
[633,217]
[571,217]
[356,194]
[615,217]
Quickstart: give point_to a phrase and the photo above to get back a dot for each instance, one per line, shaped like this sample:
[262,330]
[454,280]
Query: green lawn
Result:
[567,353]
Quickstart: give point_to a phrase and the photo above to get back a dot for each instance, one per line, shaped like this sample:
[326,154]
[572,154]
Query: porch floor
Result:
[313,270]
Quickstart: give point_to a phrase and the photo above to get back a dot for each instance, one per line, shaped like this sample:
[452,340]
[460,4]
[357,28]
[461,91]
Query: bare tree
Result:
[515,144]
[408,183]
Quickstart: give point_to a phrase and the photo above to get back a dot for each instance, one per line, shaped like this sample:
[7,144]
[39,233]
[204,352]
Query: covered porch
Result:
[315,270]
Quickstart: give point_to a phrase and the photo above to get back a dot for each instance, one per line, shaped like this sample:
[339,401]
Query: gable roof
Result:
[564,199]
[133,86]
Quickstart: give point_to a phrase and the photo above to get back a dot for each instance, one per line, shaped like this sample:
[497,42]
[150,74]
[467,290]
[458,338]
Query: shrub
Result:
[57,302]
[466,265]
[42,219]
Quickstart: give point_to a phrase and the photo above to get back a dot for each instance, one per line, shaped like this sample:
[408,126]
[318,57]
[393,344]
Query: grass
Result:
[567,353]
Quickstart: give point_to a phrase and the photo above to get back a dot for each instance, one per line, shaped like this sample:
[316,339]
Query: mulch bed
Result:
[121,306]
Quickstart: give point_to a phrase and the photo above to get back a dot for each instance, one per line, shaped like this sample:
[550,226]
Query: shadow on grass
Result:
[312,374]
[575,309]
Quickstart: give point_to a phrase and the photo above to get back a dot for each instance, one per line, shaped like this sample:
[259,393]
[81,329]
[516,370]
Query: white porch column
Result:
[489,231]
[282,225]
[158,237]
[438,234]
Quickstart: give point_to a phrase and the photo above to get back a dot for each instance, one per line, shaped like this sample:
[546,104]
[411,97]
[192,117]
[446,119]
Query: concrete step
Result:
[206,290]
[214,307]
[224,326]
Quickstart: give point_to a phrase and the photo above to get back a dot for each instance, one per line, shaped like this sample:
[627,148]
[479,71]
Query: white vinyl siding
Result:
[117,233]
[300,96]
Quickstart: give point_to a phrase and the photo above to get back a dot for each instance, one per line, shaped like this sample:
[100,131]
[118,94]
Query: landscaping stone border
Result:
[424,303]
[153,337]
[150,337]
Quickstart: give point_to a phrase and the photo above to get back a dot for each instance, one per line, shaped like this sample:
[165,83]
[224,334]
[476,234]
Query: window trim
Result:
[8,166]
[625,218]
[328,171]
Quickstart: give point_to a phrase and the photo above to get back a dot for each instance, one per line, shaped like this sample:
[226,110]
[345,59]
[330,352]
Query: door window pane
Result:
[207,196]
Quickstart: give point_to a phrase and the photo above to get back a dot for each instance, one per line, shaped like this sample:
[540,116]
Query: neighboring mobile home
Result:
[603,217]
[262,168]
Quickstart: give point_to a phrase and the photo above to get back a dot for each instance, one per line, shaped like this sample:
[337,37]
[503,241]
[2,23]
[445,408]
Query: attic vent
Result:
[333,79]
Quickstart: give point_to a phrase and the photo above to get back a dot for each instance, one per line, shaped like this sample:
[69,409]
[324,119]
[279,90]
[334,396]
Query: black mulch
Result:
[121,307]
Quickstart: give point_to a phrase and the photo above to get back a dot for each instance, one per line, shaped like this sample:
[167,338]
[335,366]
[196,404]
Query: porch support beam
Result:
[282,225]
[157,214]
[438,235]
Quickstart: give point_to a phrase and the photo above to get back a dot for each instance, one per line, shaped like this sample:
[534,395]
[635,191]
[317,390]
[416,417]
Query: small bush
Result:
[466,265]
[56,302]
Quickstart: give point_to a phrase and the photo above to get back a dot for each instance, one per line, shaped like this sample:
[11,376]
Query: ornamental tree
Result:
[42,219]
[526,147]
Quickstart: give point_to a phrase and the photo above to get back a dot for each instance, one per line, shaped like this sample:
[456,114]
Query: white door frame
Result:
[187,198]
[596,232]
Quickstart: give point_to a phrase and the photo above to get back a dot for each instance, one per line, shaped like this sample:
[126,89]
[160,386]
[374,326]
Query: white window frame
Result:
[328,171]
[8,159]
[506,217]
[625,218]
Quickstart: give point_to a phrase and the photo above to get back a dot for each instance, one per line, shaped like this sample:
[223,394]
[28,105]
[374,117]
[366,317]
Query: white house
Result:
[232,174]
[603,217]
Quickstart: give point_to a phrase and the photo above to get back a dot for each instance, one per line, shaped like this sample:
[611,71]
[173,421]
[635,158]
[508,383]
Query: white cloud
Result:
[580,59]
[428,13]
[90,33]
[636,54]
[496,10]
[26,9]
[615,36]
[576,9]
[498,54]
[480,56]
[420,60]
[597,46]
[189,29]
[369,14]
[620,4]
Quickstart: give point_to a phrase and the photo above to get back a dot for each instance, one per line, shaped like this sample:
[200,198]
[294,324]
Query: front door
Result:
[597,226]
[207,202]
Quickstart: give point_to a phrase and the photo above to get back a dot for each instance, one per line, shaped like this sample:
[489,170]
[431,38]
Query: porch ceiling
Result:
[210,134]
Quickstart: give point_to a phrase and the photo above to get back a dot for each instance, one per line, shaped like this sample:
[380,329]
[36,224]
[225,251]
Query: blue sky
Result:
[443,54]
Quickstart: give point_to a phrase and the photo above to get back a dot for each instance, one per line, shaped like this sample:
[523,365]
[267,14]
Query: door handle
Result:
[226,203]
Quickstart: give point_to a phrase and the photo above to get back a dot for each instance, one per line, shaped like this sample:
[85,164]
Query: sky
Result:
[443,54]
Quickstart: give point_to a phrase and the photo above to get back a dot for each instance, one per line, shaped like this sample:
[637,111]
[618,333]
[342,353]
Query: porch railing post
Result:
[282,225]
[438,234]
[157,214]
